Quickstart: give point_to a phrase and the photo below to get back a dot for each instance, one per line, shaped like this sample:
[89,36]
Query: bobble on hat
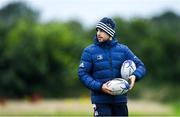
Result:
[107,25]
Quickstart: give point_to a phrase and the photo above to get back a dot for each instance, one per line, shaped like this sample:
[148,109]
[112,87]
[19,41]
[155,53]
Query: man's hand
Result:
[105,88]
[132,79]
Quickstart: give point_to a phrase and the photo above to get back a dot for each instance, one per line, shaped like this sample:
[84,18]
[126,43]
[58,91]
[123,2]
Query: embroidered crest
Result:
[99,57]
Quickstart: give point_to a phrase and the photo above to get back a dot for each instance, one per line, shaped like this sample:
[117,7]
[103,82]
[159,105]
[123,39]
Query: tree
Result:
[15,11]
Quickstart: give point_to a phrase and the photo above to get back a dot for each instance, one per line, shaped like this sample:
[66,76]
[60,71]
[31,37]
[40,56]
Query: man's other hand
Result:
[105,88]
[132,79]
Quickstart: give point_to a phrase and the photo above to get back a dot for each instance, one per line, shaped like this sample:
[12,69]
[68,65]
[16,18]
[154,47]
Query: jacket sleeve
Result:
[140,67]
[84,72]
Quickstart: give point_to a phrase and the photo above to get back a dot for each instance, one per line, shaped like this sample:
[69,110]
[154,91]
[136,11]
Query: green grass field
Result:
[82,107]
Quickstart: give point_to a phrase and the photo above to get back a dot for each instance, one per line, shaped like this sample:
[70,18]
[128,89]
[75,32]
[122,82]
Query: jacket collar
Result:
[108,43]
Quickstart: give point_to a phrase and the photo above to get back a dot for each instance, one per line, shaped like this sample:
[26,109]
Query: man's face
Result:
[102,36]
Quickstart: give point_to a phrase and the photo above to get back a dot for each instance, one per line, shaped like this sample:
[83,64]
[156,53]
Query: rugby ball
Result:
[127,68]
[118,86]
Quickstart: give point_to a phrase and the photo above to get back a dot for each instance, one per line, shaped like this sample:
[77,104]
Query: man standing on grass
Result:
[101,62]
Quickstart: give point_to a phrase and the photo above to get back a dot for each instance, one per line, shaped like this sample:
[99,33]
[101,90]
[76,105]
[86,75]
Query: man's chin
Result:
[100,40]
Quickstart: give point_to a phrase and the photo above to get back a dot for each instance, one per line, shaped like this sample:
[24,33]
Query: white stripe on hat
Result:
[106,28]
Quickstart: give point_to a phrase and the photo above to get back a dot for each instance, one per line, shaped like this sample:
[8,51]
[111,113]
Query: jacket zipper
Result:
[110,60]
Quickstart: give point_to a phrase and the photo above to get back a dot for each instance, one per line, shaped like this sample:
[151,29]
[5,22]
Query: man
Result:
[100,63]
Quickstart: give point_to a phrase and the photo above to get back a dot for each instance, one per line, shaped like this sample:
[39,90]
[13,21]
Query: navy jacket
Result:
[101,62]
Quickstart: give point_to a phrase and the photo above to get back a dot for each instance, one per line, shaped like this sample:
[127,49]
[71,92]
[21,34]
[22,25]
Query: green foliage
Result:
[42,58]
[15,11]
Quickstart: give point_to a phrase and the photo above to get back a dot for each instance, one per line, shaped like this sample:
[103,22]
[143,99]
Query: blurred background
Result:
[41,43]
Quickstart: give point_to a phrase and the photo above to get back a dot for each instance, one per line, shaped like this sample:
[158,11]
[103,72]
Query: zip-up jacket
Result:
[101,62]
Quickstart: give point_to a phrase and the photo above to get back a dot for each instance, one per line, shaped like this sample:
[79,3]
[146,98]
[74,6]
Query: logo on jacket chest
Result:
[99,57]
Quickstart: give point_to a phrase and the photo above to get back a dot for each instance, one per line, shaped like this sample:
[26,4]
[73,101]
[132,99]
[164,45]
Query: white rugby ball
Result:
[118,86]
[127,68]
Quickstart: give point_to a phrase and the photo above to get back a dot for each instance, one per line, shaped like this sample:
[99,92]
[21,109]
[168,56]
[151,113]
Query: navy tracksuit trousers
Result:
[110,110]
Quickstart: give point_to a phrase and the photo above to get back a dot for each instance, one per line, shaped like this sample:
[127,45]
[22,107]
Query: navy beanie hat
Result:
[107,25]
